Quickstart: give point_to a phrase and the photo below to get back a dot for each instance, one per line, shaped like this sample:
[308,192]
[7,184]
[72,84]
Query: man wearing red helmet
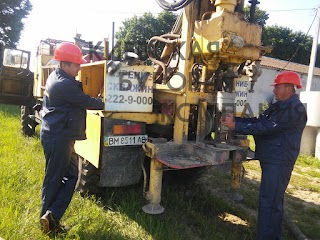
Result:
[63,121]
[277,133]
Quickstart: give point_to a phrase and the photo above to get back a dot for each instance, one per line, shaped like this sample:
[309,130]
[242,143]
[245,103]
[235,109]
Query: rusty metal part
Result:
[201,126]
[171,40]
[253,70]
[236,169]
[155,186]
[190,155]
[232,42]
[203,78]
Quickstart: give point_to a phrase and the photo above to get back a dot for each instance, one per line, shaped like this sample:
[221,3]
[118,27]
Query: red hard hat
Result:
[68,52]
[288,77]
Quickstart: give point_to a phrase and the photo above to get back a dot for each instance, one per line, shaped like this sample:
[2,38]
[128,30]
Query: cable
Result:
[290,10]
[169,6]
[300,42]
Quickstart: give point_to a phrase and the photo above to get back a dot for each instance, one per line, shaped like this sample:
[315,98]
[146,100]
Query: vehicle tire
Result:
[28,125]
[89,177]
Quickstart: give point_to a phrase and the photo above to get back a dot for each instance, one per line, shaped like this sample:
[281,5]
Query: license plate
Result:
[125,140]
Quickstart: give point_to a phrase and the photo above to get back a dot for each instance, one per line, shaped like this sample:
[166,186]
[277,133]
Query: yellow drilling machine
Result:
[167,113]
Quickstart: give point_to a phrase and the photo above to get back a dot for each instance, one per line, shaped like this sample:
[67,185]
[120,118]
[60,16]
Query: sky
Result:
[62,19]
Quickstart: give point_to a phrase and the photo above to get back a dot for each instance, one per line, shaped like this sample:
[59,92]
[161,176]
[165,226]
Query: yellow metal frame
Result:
[92,76]
[90,149]
[228,24]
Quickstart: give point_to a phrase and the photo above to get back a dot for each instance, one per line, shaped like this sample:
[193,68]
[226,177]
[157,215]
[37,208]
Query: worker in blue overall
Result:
[63,121]
[277,133]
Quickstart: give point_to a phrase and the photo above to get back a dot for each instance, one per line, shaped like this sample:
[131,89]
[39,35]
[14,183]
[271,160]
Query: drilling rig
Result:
[168,113]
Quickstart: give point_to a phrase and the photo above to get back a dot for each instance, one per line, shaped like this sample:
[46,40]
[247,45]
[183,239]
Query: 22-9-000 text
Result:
[114,98]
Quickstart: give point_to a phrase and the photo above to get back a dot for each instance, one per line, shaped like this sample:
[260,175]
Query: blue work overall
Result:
[61,174]
[277,133]
[63,122]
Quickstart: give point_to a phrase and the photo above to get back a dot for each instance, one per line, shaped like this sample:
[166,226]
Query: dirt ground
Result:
[304,195]
[216,181]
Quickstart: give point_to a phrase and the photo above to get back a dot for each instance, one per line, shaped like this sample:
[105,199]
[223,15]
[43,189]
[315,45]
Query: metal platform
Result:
[191,155]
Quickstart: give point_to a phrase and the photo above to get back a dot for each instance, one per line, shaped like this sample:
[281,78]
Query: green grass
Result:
[115,214]
[190,212]
[252,145]
[306,177]
[308,161]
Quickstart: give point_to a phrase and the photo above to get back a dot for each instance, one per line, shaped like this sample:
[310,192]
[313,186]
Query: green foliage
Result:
[260,16]
[308,161]
[285,43]
[11,14]
[135,33]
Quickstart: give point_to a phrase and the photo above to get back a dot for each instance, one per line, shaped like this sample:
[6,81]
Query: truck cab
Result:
[16,79]
[20,86]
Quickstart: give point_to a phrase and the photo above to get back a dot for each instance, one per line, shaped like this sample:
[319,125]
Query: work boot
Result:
[47,222]
[60,229]
[51,226]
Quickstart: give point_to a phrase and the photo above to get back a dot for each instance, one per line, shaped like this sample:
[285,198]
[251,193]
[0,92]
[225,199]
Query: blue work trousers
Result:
[61,174]
[274,181]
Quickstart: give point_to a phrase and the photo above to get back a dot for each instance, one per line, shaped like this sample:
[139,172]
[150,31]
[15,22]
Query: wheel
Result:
[89,177]
[28,125]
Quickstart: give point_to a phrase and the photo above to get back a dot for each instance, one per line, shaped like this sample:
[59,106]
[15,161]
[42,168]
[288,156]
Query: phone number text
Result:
[114,98]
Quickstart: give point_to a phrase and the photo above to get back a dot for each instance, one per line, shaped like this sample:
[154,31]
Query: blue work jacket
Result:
[277,131]
[64,106]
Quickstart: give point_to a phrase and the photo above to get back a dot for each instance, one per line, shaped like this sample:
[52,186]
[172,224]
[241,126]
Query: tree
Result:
[135,32]
[11,14]
[260,16]
[288,45]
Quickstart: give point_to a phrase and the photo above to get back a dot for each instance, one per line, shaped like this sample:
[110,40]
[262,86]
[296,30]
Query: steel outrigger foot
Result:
[155,187]
[237,171]
[153,208]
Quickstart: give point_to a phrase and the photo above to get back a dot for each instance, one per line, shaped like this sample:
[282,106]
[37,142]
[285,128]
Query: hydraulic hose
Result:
[151,50]
[169,6]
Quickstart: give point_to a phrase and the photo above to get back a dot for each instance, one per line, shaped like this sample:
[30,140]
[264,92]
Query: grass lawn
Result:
[193,210]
